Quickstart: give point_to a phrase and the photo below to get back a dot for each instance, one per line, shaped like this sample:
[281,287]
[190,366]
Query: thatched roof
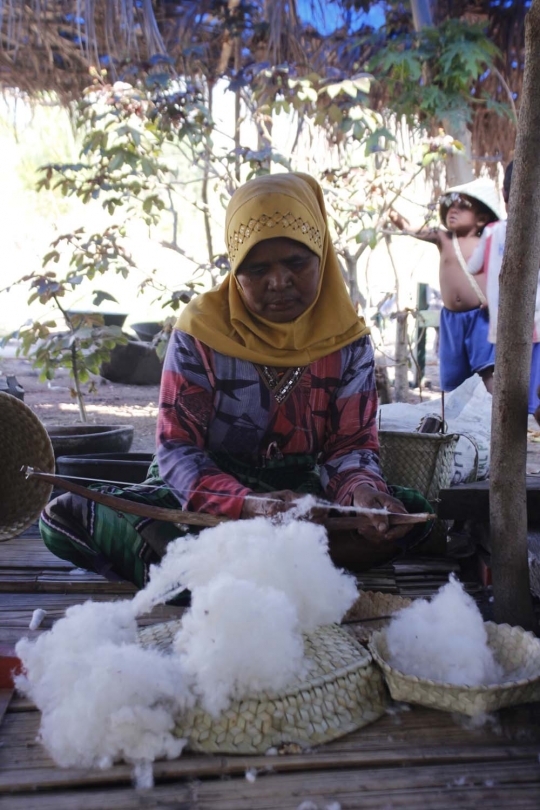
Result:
[49,45]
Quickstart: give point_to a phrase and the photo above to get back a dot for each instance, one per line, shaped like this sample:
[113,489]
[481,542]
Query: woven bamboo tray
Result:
[516,650]
[24,441]
[344,691]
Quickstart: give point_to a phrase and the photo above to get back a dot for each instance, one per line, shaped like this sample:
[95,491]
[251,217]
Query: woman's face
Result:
[279,278]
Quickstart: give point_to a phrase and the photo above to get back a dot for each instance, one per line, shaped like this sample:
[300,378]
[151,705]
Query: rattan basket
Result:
[422,461]
[344,691]
[24,441]
[368,606]
[517,651]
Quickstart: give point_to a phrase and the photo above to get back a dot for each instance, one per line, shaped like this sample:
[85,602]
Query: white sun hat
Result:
[480,189]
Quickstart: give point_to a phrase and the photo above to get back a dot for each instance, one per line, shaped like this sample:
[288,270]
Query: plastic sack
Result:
[467,412]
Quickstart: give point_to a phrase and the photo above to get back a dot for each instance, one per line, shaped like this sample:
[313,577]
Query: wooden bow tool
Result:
[344,522]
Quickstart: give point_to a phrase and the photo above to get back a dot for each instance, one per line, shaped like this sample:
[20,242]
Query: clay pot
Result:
[127,468]
[133,363]
[147,330]
[11,386]
[75,439]
[109,318]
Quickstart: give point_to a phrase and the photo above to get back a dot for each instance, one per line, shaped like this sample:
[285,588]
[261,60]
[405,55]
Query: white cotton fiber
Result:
[238,638]
[255,587]
[302,507]
[292,558]
[143,775]
[102,696]
[37,617]
[443,640]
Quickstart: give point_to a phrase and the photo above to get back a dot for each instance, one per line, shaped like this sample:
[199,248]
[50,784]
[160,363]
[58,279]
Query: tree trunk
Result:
[204,187]
[458,168]
[518,283]
[237,114]
[401,380]
[382,384]
[422,13]
[78,392]
[351,278]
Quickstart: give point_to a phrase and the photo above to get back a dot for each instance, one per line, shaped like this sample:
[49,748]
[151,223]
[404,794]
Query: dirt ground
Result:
[137,405]
[113,404]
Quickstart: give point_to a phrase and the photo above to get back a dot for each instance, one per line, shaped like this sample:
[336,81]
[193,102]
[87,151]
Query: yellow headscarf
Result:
[289,205]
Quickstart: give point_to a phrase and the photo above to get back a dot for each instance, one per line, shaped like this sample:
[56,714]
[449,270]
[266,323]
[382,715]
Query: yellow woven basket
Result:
[344,691]
[422,461]
[24,441]
[517,651]
[370,605]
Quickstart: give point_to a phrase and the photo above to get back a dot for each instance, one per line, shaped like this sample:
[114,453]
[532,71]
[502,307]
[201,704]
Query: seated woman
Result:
[268,387]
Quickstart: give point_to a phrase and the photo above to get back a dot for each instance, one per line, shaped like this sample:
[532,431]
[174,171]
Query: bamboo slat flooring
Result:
[404,760]
[409,759]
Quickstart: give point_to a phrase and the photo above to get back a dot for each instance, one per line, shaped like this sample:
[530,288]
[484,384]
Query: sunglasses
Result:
[456,199]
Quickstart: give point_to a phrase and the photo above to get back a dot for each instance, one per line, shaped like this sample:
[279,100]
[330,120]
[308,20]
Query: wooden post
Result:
[420,334]
[401,380]
[518,283]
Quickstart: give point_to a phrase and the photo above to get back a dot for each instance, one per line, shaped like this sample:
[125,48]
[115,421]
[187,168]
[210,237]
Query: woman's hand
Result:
[377,527]
[268,504]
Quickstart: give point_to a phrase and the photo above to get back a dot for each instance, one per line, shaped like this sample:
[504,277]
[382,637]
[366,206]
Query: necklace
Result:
[281,382]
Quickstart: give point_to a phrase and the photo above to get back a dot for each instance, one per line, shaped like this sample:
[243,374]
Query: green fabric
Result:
[123,546]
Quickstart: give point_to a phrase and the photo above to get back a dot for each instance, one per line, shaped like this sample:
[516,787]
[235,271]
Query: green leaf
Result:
[117,161]
[148,167]
[307,94]
[430,158]
[368,235]
[100,296]
[362,82]
[333,90]
[334,114]
[53,256]
[349,88]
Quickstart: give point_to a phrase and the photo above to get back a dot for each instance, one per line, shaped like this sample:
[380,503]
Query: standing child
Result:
[487,262]
[464,348]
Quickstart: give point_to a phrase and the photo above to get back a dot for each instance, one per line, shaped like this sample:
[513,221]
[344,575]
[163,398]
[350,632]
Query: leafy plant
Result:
[429,75]
[84,342]
[124,130]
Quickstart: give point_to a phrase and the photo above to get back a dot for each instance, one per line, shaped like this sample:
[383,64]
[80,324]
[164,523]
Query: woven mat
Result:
[343,692]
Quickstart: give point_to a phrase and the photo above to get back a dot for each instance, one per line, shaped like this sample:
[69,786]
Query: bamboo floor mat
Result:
[414,759]
[408,759]
[26,566]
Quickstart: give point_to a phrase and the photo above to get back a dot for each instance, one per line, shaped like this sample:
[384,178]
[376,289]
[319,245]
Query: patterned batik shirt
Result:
[211,403]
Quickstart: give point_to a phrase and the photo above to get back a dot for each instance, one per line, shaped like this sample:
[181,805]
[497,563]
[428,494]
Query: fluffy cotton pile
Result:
[443,640]
[238,638]
[102,696]
[256,587]
[292,558]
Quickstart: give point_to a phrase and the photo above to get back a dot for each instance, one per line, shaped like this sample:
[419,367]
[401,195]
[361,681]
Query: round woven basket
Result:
[344,691]
[368,606]
[24,441]
[517,651]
